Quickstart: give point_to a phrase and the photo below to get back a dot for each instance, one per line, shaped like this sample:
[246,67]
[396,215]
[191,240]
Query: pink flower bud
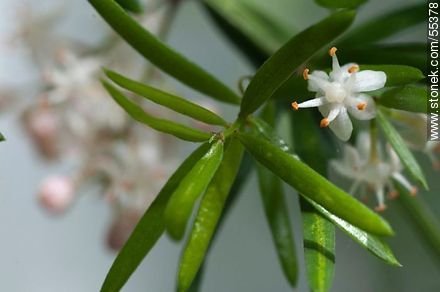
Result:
[56,193]
[122,227]
[42,125]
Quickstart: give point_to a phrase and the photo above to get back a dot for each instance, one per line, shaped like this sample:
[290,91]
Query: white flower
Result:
[372,173]
[340,93]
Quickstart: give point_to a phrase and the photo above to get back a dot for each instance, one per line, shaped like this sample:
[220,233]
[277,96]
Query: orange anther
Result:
[393,194]
[381,208]
[324,123]
[353,68]
[295,105]
[306,74]
[414,191]
[332,51]
[361,106]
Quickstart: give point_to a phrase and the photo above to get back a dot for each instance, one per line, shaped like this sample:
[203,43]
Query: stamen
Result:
[414,191]
[354,68]
[393,194]
[295,105]
[380,208]
[332,51]
[306,74]
[405,183]
[361,106]
[324,123]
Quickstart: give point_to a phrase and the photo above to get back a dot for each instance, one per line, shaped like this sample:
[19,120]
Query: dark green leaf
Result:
[405,54]
[427,224]
[385,25]
[148,230]
[171,101]
[165,126]
[194,184]
[370,242]
[2,138]
[319,248]
[161,55]
[253,32]
[210,210]
[312,185]
[277,215]
[340,3]
[407,98]
[397,74]
[286,60]
[401,149]
[130,5]
[319,239]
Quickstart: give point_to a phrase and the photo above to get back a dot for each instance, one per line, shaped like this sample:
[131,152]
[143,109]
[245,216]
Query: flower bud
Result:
[56,193]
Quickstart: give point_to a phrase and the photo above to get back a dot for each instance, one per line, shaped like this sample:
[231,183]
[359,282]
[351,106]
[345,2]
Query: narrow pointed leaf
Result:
[340,3]
[319,232]
[161,125]
[319,248]
[275,207]
[161,55]
[130,5]
[209,213]
[168,100]
[148,230]
[407,98]
[2,138]
[397,74]
[405,155]
[194,184]
[312,185]
[253,32]
[278,68]
[370,242]
[376,29]
[426,223]
[277,213]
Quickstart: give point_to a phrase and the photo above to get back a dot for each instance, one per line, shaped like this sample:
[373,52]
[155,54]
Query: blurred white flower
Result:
[372,173]
[340,93]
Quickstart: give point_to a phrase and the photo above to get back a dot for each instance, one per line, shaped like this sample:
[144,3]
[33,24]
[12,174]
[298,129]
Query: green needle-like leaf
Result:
[397,74]
[401,149]
[148,230]
[427,224]
[2,138]
[407,98]
[370,242]
[130,5]
[386,25]
[170,101]
[312,185]
[332,4]
[319,238]
[210,211]
[194,184]
[319,248]
[277,213]
[161,55]
[288,58]
[250,30]
[165,126]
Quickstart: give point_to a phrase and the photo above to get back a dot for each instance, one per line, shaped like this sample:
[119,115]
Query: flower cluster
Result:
[72,119]
[372,169]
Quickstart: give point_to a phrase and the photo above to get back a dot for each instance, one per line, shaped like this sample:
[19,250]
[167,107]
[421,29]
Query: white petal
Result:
[342,74]
[363,144]
[369,80]
[367,113]
[317,81]
[342,169]
[352,158]
[341,126]
[313,102]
